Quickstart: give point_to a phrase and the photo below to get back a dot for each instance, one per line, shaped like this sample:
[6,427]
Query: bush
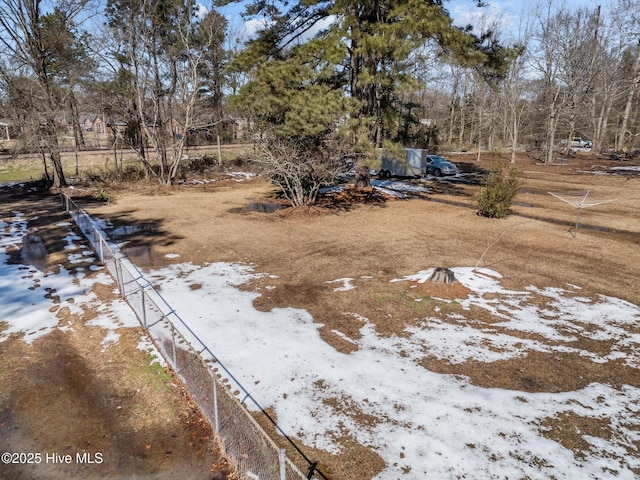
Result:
[300,171]
[494,200]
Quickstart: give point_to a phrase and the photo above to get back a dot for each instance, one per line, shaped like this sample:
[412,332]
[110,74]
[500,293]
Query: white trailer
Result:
[413,165]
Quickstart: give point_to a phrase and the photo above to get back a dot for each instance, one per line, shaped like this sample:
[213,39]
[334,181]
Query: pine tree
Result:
[366,52]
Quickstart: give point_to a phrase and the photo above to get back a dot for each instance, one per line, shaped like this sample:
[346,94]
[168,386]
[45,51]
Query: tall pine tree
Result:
[365,51]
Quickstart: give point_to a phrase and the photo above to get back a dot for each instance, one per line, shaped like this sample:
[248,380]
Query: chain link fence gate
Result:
[214,389]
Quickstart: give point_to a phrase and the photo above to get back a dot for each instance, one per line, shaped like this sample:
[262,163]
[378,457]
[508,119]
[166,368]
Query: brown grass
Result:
[374,242]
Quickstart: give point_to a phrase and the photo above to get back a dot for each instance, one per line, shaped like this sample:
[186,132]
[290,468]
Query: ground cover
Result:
[83,393]
[98,164]
[526,368]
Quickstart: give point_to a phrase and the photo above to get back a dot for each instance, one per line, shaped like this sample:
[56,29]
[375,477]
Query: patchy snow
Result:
[632,168]
[241,176]
[424,425]
[204,181]
[236,176]
[31,299]
[112,317]
[346,284]
[332,189]
[606,170]
[400,186]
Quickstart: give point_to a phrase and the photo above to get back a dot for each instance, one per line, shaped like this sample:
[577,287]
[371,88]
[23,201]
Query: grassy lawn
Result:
[28,167]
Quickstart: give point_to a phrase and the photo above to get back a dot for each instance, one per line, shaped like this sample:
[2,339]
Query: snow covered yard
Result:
[427,425]
[533,375]
[32,297]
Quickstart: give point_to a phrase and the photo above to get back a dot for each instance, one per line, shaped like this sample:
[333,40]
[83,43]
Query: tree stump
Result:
[34,252]
[363,177]
[33,248]
[442,275]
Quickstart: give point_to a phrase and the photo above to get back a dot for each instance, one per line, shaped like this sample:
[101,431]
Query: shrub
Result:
[103,196]
[299,170]
[494,200]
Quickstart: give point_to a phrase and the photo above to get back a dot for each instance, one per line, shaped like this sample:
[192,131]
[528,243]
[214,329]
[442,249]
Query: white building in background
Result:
[4,131]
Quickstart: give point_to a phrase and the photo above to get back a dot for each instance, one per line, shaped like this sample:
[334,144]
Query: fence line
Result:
[254,454]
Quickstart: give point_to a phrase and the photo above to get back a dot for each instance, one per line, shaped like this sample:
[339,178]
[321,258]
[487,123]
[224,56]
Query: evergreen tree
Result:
[295,95]
[368,48]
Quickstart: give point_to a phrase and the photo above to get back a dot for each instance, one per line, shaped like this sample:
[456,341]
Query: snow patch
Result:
[431,425]
[346,284]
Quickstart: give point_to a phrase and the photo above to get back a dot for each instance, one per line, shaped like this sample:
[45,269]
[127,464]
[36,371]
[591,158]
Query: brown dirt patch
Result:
[303,212]
[353,461]
[556,429]
[539,372]
[350,196]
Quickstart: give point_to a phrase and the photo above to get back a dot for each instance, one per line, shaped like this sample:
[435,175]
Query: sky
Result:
[508,13]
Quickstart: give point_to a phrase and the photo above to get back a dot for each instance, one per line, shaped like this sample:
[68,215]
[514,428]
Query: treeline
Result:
[326,79]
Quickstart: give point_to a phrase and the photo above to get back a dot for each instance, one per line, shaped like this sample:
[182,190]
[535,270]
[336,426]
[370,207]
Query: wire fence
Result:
[212,386]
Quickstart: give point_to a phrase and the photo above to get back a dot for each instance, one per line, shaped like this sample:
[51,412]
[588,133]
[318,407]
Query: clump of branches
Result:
[501,186]
[300,169]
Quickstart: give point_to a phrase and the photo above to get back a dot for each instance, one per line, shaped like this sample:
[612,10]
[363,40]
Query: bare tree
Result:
[164,47]
[32,44]
[565,59]
[300,172]
[198,70]
[515,104]
[627,18]
[547,62]
[608,83]
[580,69]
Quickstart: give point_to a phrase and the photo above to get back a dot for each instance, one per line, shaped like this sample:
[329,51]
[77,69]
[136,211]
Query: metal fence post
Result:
[215,403]
[118,265]
[283,464]
[101,252]
[173,345]
[144,310]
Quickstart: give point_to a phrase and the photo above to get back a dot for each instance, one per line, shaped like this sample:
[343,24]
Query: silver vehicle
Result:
[438,166]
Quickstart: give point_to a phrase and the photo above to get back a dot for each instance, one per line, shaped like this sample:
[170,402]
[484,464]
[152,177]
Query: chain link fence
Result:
[214,389]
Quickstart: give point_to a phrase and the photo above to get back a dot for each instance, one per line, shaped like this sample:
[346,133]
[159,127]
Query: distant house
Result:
[117,126]
[243,129]
[9,130]
[94,123]
[87,125]
[177,128]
